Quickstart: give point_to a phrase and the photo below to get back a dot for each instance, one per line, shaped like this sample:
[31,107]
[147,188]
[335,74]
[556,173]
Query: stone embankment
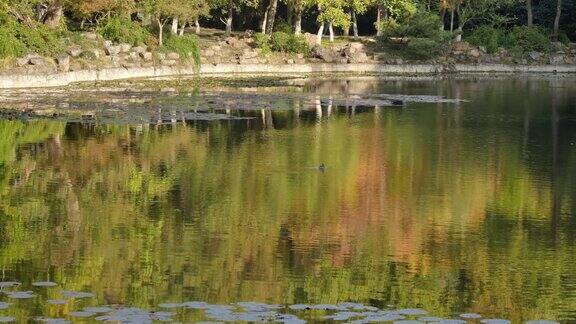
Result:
[101,60]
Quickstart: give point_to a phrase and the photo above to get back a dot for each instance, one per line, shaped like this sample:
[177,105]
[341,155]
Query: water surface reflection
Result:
[448,207]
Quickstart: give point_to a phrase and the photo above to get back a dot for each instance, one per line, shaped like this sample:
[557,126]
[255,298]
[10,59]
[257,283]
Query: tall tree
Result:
[529,14]
[271,16]
[556,28]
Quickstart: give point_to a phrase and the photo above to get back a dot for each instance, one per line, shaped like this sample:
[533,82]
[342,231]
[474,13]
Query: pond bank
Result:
[110,74]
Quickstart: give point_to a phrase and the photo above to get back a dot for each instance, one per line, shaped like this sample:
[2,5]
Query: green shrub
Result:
[528,39]
[122,30]
[487,36]
[187,46]
[263,42]
[423,48]
[423,24]
[423,38]
[10,46]
[283,26]
[17,39]
[288,43]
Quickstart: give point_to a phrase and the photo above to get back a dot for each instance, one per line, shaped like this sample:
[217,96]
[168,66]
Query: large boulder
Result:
[74,51]
[310,39]
[173,56]
[535,56]
[146,56]
[557,59]
[139,49]
[327,55]
[112,50]
[63,62]
[124,47]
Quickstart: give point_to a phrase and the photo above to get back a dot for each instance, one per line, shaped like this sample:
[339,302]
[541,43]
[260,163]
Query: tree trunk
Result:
[182,29]
[320,34]
[442,17]
[174,28]
[331,29]
[354,24]
[54,14]
[271,16]
[451,19]
[529,15]
[557,20]
[265,18]
[379,19]
[197,25]
[298,20]
[229,21]
[460,24]
[160,32]
[290,12]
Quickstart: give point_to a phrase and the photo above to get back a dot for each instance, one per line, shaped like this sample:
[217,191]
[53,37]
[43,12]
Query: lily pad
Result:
[431,319]
[495,321]
[76,294]
[52,320]
[5,284]
[57,301]
[195,305]
[412,311]
[44,284]
[81,314]
[99,309]
[171,305]
[20,294]
[300,307]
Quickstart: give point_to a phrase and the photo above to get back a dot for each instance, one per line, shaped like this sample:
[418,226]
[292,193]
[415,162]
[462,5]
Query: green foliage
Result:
[423,24]
[17,39]
[528,39]
[263,42]
[10,46]
[517,41]
[288,43]
[487,36]
[123,30]
[187,46]
[424,39]
[283,26]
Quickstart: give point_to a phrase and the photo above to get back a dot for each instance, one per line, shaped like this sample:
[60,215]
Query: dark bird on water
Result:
[322,167]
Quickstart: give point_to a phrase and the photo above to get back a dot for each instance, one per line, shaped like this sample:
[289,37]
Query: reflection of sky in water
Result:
[455,209]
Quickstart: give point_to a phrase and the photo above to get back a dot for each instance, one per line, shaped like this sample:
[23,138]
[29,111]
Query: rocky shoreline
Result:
[101,60]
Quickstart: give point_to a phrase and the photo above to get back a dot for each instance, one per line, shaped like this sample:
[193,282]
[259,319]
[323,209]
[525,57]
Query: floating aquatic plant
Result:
[20,294]
[76,294]
[44,284]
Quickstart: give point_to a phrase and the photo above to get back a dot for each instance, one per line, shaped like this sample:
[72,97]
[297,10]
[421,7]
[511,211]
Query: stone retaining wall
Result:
[66,78]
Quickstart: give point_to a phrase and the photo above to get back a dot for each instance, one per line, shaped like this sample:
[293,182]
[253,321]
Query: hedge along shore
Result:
[111,74]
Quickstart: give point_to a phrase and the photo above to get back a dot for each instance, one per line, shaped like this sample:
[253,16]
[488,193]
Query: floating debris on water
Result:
[470,315]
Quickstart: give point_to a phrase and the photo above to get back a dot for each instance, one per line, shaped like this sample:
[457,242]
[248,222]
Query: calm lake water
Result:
[458,207]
